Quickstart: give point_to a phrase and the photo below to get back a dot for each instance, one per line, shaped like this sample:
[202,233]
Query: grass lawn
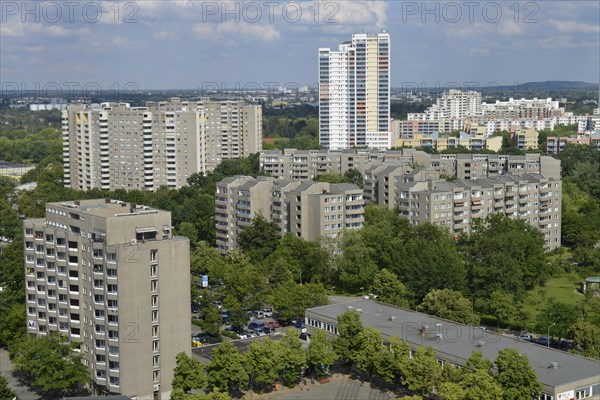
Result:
[563,289]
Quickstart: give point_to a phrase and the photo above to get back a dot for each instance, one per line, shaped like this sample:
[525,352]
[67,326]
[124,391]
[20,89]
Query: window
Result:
[99,313]
[153,255]
[153,270]
[113,365]
[98,298]
[155,345]
[113,335]
[100,358]
[154,285]
[98,283]
[111,257]
[156,376]
[111,288]
[155,331]
[155,316]
[100,373]
[100,343]
[100,328]
[113,319]
[112,304]
[156,361]
[113,349]
[114,380]
[111,272]
[154,301]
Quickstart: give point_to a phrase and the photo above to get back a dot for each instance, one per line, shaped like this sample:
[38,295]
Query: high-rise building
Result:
[112,277]
[354,93]
[307,209]
[115,146]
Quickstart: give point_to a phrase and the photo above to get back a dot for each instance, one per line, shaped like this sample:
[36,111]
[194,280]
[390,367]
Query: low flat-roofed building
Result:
[563,375]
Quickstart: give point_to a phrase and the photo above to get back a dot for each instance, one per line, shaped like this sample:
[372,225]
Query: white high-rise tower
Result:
[354,93]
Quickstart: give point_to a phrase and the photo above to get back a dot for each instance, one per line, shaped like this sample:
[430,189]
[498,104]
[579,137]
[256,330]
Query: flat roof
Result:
[104,207]
[455,342]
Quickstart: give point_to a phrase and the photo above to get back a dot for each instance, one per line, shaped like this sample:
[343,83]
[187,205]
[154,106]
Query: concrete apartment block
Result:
[112,277]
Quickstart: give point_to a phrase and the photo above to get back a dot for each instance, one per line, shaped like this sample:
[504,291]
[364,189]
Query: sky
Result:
[192,44]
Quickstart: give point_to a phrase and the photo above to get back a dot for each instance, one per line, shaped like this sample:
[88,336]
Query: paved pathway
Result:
[6,369]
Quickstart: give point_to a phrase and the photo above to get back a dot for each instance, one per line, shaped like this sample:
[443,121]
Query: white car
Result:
[267,312]
[242,336]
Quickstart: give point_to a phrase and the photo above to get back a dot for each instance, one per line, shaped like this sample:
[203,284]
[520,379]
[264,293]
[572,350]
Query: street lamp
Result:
[549,333]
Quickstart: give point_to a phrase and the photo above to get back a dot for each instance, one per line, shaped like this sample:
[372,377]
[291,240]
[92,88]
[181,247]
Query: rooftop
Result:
[104,207]
[456,342]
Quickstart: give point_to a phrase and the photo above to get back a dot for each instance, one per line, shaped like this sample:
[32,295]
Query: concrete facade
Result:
[455,205]
[115,146]
[354,93]
[109,275]
[307,209]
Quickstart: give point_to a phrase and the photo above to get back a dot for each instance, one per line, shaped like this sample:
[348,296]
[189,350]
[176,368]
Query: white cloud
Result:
[575,27]
[509,27]
[164,35]
[566,42]
[235,32]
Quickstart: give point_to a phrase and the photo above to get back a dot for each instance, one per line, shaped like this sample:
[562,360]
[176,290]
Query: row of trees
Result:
[422,373]
[266,363]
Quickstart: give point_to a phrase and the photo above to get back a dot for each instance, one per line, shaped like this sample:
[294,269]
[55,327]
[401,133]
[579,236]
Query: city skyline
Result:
[196,45]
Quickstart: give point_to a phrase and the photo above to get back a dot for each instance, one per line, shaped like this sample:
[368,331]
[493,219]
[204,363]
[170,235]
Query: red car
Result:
[272,325]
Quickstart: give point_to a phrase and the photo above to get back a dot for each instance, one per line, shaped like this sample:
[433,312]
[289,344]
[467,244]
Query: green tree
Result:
[502,306]
[320,353]
[451,391]
[395,362]
[238,318]
[12,324]
[188,230]
[354,176]
[423,371]
[504,254]
[225,371]
[262,363]
[558,316]
[515,375]
[356,266]
[188,373]
[476,379]
[372,352]
[450,304]
[586,335]
[349,343]
[293,358]
[260,239]
[389,289]
[49,364]
[212,321]
[290,299]
[5,391]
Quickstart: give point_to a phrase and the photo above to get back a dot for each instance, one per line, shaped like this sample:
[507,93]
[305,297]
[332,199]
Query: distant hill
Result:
[555,85]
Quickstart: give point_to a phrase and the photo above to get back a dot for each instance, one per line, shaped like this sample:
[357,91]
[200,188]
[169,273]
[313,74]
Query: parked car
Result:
[542,341]
[268,312]
[304,336]
[526,337]
[273,325]
[259,314]
[242,336]
[300,326]
[256,325]
[252,334]
[260,332]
